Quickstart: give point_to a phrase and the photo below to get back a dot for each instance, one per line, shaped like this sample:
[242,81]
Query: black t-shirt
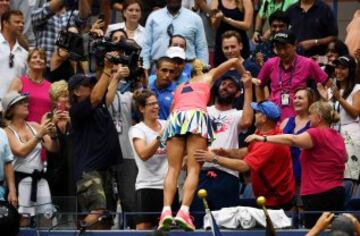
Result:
[96,143]
[318,22]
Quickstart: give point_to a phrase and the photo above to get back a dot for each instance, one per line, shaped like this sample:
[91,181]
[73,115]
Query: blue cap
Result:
[269,109]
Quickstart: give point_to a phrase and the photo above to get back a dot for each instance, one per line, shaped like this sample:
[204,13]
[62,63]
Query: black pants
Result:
[332,200]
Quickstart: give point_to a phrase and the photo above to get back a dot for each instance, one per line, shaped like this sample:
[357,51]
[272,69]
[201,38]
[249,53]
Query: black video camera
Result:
[71,42]
[128,54]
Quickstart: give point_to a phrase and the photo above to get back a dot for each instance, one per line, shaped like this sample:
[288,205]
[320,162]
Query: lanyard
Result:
[291,77]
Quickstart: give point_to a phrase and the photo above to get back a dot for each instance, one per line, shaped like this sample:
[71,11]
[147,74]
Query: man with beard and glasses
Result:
[222,184]
[168,21]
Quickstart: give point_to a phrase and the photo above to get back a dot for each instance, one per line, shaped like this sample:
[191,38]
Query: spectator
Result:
[269,178]
[60,164]
[222,184]
[51,18]
[12,56]
[26,140]
[345,224]
[297,124]
[26,7]
[322,161]
[35,85]
[4,6]
[183,69]
[97,146]
[287,72]
[150,157]
[7,172]
[170,20]
[314,25]
[232,15]
[164,86]
[62,64]
[346,98]
[278,21]
[120,106]
[352,39]
[267,8]
[189,129]
[132,10]
[334,50]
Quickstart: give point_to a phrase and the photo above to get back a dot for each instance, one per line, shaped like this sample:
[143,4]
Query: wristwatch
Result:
[158,138]
[215,160]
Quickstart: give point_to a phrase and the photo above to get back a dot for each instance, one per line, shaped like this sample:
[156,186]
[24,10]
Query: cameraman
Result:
[97,147]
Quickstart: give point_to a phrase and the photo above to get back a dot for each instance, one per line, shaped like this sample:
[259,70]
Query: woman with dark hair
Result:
[132,10]
[322,161]
[150,157]
[346,100]
[335,49]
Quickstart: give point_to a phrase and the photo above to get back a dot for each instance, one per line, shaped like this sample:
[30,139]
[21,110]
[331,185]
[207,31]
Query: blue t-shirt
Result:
[165,97]
[6,156]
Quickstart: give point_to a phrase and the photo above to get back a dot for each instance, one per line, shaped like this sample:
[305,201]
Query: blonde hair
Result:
[197,68]
[58,89]
[40,51]
[326,111]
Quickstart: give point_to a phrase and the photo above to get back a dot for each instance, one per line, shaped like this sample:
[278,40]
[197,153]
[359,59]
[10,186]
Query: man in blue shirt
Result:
[164,86]
[170,20]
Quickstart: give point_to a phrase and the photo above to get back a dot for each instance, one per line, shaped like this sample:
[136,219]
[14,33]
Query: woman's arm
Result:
[352,109]
[49,140]
[224,67]
[123,72]
[16,85]
[248,17]
[145,151]
[218,17]
[20,149]
[302,140]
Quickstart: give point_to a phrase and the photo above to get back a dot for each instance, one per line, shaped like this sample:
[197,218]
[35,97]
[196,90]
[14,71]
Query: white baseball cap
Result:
[175,52]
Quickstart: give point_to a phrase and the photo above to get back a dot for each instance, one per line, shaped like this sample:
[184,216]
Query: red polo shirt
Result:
[271,171]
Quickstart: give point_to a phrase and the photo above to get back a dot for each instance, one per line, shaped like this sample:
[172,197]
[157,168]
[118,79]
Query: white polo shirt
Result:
[19,66]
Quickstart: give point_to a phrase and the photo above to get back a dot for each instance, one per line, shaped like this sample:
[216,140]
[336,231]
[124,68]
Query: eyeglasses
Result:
[170,30]
[11,60]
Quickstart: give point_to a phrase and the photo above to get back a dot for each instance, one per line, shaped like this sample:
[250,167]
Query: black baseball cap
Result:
[284,37]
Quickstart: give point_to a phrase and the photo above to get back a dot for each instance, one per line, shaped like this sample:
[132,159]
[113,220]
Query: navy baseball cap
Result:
[269,109]
[81,79]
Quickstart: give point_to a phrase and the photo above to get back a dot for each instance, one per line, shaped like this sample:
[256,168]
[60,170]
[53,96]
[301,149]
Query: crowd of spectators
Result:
[176,97]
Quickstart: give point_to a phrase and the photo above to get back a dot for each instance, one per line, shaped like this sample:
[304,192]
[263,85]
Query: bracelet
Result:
[265,139]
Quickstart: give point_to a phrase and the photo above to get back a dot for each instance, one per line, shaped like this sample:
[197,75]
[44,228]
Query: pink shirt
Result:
[323,165]
[294,77]
[39,98]
[191,96]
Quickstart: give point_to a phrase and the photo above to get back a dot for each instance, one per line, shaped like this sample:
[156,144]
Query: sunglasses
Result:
[170,30]
[11,60]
